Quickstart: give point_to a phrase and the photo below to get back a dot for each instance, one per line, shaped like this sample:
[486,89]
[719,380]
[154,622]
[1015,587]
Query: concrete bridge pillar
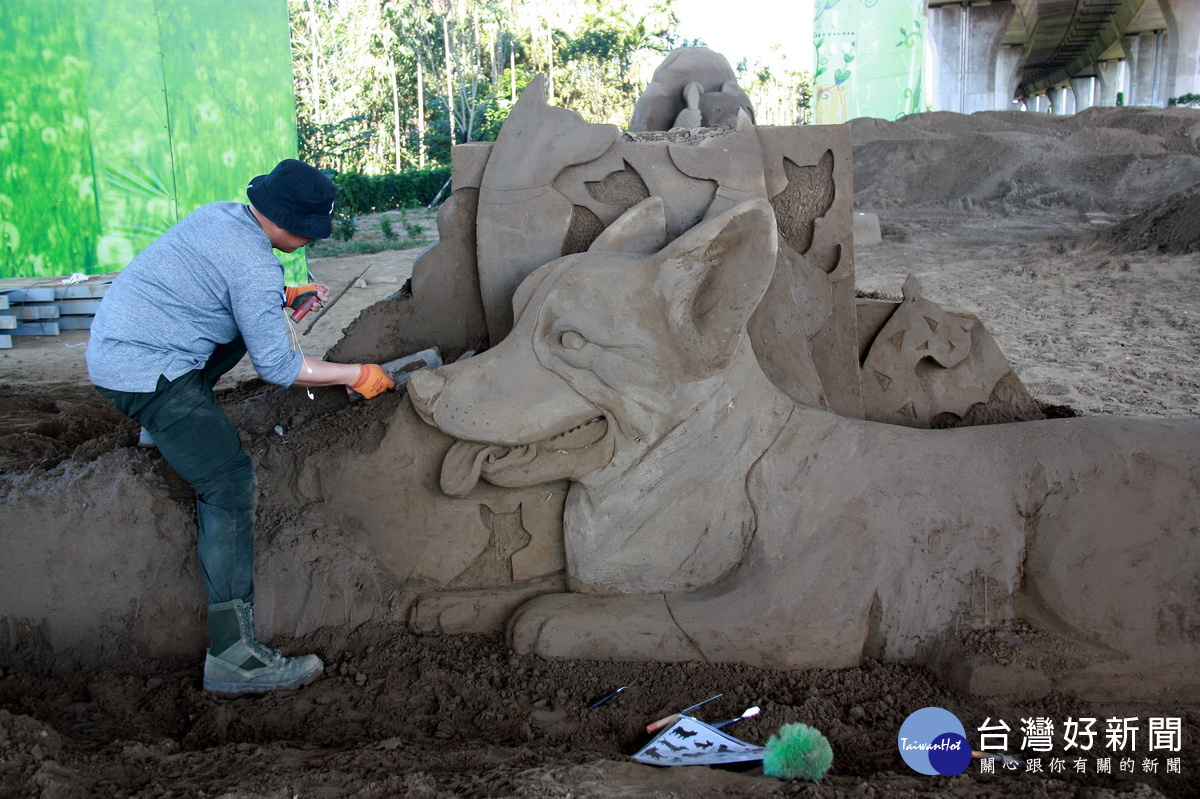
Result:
[1008,75]
[1111,77]
[1083,91]
[1061,101]
[1182,47]
[966,43]
[1145,60]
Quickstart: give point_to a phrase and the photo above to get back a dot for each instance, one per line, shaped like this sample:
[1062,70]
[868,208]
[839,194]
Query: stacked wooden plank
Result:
[7,322]
[48,308]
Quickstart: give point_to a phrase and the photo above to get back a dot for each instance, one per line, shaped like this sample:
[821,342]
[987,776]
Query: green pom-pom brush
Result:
[797,752]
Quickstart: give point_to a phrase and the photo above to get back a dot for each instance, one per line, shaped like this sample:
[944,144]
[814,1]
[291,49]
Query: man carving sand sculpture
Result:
[710,517]
[180,316]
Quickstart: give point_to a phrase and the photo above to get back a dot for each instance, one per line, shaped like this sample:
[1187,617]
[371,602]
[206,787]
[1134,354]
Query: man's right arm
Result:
[366,378]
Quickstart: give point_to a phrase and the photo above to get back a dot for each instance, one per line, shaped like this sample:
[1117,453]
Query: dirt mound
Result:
[1112,160]
[44,425]
[1167,226]
[400,715]
[949,125]
[1177,128]
[40,425]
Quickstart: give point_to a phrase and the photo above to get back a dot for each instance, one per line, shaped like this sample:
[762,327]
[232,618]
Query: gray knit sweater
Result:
[207,279]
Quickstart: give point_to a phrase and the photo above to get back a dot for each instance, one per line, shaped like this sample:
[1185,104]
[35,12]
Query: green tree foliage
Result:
[389,85]
[598,67]
[780,96]
[360,194]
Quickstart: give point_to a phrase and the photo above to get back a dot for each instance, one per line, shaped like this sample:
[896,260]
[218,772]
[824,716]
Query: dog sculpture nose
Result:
[424,387]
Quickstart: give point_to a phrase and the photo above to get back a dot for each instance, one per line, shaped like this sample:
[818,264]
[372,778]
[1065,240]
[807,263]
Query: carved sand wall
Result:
[552,183]
[911,355]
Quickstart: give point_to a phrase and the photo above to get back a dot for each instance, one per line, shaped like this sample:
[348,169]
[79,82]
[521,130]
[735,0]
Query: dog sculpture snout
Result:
[425,387]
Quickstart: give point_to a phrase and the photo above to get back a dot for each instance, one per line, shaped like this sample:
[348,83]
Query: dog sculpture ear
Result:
[713,277]
[641,230]
[526,289]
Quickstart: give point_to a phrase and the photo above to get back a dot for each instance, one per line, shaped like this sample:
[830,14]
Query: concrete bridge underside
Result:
[1062,55]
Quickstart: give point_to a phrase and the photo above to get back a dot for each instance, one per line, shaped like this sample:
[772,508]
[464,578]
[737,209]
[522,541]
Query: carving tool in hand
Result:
[305,307]
[330,304]
[402,368]
[674,717]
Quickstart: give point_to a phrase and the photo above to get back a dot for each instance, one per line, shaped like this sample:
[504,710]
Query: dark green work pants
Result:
[196,437]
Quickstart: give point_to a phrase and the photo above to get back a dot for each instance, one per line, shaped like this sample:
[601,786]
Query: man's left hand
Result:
[295,296]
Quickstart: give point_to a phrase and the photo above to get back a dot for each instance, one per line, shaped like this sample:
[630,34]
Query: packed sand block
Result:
[728,458]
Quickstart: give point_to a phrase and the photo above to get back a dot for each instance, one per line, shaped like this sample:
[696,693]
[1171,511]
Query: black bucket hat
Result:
[297,197]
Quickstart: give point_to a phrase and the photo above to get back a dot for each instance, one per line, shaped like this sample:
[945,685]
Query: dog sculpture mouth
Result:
[572,453]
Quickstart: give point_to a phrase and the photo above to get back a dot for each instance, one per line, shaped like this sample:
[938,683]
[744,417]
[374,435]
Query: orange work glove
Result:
[372,381]
[294,296]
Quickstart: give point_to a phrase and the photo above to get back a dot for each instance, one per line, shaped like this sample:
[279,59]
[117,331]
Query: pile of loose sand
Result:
[1104,160]
[1170,225]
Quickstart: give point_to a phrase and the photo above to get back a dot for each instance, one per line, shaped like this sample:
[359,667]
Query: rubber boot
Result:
[238,664]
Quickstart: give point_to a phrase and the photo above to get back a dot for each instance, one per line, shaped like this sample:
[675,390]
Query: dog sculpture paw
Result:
[600,628]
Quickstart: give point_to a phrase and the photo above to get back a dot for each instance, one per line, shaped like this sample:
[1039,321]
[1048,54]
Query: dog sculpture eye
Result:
[572,340]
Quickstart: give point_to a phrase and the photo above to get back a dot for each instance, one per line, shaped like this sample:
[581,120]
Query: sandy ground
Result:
[1086,325]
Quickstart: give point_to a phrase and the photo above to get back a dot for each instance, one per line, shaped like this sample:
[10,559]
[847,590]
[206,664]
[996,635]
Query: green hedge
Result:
[368,194]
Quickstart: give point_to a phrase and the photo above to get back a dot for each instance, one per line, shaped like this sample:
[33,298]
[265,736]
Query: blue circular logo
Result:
[933,741]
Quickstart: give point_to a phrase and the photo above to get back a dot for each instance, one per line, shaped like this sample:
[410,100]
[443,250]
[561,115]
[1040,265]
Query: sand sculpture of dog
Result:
[712,518]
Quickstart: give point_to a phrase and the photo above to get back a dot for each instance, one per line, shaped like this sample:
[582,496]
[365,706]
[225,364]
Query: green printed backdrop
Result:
[120,117]
[869,59]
